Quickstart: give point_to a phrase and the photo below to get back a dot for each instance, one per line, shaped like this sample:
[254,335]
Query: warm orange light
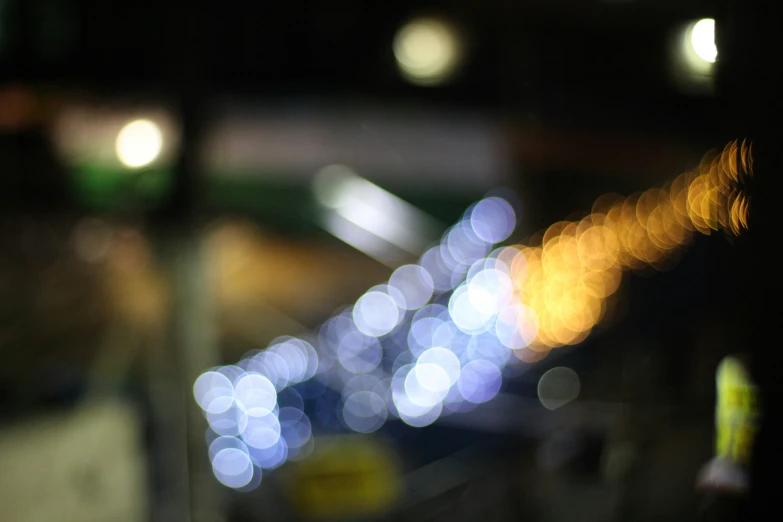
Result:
[566,280]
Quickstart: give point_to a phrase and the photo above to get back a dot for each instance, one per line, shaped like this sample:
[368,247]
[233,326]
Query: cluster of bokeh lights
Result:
[566,281]
[436,338]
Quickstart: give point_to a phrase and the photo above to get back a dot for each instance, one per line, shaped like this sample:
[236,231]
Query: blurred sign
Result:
[84,465]
[262,158]
[291,143]
[346,476]
[88,134]
[455,150]
[737,412]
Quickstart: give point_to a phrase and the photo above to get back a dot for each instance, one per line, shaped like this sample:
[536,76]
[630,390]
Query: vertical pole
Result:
[194,342]
[186,487]
[189,490]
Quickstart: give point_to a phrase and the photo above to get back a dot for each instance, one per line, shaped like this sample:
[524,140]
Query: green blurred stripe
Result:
[269,198]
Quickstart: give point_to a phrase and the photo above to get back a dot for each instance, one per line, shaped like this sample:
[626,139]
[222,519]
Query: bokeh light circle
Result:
[255,394]
[213,392]
[479,381]
[376,314]
[414,284]
[364,411]
[139,143]
[557,387]
[493,219]
[702,40]
[233,467]
[428,51]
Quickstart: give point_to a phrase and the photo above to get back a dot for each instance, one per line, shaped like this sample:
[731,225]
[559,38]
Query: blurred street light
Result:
[428,51]
[693,55]
[369,218]
[702,39]
[139,143]
[698,50]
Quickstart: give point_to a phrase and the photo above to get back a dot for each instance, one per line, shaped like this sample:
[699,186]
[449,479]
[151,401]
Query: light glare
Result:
[427,51]
[703,40]
[139,143]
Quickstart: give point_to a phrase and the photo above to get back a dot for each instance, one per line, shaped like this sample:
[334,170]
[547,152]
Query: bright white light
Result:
[376,314]
[256,394]
[213,392]
[413,412]
[479,266]
[233,421]
[139,143]
[417,389]
[490,291]
[233,467]
[432,378]
[262,432]
[414,284]
[444,359]
[427,50]
[372,209]
[426,385]
[465,314]
[383,224]
[414,415]
[221,443]
[696,53]
[558,387]
[361,239]
[702,40]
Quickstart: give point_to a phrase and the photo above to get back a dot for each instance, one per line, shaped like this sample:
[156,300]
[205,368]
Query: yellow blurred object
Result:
[345,476]
[737,411]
